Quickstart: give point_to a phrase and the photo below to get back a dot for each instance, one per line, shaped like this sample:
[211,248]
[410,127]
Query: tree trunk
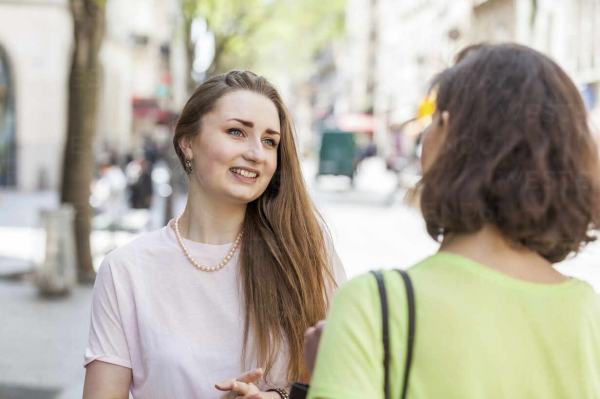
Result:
[84,87]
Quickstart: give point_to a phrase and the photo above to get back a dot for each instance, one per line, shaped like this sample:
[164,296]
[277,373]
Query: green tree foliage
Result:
[296,34]
[267,35]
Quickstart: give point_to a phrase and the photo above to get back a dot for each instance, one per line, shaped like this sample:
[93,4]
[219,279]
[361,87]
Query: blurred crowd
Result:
[129,184]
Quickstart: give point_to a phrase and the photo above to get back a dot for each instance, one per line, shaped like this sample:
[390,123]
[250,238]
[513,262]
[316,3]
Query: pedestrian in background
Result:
[510,187]
[231,284]
[139,182]
[109,192]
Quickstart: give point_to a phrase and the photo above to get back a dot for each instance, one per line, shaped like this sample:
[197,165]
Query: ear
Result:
[444,119]
[443,122]
[185,145]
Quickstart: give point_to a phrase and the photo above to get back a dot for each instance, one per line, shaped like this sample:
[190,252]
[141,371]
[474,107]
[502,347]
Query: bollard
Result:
[56,276]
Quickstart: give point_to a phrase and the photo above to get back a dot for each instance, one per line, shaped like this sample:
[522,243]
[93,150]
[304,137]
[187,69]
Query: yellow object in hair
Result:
[426,107]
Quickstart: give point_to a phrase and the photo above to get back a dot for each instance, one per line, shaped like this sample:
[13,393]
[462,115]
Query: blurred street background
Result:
[90,91]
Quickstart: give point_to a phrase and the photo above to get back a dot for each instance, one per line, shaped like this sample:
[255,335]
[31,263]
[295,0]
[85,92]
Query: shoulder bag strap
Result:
[386,339]
[410,340]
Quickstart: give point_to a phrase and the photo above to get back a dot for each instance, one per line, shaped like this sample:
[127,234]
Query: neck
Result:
[209,221]
[489,248]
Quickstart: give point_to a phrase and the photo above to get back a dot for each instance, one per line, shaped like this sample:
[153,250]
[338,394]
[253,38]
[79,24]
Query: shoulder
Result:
[586,295]
[364,283]
[359,291]
[355,309]
[127,257]
[144,242]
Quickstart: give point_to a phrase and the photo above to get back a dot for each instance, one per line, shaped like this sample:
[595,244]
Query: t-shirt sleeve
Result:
[107,341]
[349,362]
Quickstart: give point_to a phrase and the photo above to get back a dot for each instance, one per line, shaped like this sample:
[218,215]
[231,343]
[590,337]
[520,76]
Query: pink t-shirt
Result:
[180,330]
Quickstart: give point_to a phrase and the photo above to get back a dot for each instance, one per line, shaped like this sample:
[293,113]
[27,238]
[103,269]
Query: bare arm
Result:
[106,381]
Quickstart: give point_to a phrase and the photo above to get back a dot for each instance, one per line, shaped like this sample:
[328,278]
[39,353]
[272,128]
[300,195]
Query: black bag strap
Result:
[385,328]
[386,338]
[410,339]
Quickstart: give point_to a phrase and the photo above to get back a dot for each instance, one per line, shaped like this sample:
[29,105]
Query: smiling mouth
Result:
[249,174]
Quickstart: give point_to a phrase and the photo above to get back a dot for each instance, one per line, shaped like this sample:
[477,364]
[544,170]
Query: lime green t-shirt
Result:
[479,334]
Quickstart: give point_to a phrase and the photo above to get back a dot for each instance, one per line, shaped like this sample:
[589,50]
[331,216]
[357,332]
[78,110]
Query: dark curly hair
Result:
[518,153]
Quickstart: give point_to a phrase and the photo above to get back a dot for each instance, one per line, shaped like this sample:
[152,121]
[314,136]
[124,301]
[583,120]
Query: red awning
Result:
[145,107]
[360,123]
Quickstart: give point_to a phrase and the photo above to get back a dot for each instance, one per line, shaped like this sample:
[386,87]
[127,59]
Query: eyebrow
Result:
[250,124]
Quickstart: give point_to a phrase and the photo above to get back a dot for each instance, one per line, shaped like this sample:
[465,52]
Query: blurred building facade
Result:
[144,71]
[407,42]
[353,62]
[143,82]
[417,39]
[566,30]
[35,48]
[392,50]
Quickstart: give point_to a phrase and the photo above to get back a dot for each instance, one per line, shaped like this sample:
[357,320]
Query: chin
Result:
[244,198]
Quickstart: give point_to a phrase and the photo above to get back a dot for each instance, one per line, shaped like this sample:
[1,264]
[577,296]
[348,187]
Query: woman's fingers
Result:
[241,388]
[225,385]
[251,376]
[243,384]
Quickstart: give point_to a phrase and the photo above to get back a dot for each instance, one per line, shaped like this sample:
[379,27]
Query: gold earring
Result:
[188,166]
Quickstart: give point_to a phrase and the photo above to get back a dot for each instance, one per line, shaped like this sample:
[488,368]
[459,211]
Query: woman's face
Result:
[234,156]
[433,137]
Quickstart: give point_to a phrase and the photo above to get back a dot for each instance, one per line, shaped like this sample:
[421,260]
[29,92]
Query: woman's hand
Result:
[245,388]
[312,336]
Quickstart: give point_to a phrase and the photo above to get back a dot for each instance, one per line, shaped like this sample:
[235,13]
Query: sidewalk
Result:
[43,344]
[42,340]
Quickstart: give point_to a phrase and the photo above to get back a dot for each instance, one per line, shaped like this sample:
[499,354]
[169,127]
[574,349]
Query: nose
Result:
[254,152]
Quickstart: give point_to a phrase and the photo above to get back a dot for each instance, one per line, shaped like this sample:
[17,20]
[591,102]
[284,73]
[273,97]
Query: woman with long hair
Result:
[228,288]
[511,186]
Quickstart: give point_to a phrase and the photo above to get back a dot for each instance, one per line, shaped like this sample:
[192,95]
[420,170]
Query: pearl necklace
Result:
[196,264]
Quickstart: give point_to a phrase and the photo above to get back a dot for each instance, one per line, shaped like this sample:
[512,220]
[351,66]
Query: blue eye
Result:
[235,132]
[270,142]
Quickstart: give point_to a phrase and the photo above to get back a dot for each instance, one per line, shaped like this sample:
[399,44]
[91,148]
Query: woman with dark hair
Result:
[510,187]
[227,288]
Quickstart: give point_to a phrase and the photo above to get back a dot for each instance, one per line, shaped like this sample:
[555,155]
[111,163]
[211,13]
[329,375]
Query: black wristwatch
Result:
[299,391]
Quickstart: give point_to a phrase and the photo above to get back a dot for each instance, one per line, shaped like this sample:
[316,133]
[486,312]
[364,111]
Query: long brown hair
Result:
[283,257]
[518,153]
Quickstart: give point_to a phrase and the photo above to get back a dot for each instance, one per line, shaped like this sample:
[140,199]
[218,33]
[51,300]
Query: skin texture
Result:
[106,381]
[222,144]
[225,142]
